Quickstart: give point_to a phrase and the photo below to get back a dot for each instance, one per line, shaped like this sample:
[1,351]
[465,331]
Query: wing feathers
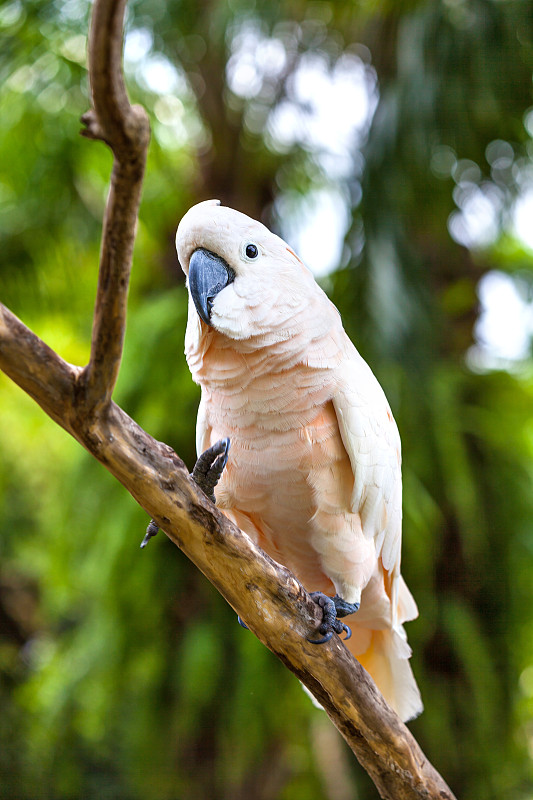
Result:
[372,442]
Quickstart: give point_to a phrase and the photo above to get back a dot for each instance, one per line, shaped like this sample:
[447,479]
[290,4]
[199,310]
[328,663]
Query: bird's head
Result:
[242,278]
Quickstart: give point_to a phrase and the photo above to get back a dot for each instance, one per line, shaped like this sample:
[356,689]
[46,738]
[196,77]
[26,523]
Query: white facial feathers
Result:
[270,283]
[222,231]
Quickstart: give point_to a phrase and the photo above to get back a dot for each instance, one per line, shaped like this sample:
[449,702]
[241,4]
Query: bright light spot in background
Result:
[137,45]
[523,218]
[10,13]
[160,76]
[72,9]
[75,49]
[255,58]
[315,225]
[154,71]
[476,223]
[174,124]
[328,110]
[505,325]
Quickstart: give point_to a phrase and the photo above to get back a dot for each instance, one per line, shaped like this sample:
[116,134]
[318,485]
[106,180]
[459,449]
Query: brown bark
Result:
[265,594]
[126,130]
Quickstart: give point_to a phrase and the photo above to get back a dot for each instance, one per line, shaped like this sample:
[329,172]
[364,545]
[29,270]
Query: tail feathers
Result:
[384,654]
[407,608]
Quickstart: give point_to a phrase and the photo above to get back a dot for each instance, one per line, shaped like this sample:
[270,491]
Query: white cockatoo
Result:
[314,468]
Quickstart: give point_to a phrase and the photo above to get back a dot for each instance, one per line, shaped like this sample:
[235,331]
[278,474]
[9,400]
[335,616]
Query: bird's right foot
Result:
[206,474]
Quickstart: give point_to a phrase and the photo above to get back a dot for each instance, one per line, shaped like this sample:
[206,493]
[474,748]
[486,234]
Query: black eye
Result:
[251,251]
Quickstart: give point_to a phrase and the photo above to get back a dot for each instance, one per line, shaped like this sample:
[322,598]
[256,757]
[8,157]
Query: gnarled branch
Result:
[266,595]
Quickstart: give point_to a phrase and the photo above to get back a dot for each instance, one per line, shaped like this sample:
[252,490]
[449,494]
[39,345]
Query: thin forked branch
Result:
[126,129]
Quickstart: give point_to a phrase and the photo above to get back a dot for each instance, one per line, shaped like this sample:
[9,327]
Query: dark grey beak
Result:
[208,275]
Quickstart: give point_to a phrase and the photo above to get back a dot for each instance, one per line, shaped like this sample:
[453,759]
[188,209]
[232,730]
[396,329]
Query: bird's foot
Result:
[151,530]
[210,466]
[332,608]
[206,474]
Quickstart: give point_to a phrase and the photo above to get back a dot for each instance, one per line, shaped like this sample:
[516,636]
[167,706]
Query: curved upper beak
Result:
[208,275]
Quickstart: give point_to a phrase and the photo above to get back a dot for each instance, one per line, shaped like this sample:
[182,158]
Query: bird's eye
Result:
[251,251]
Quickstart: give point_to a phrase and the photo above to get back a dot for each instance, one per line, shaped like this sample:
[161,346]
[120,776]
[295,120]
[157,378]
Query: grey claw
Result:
[210,466]
[348,632]
[325,639]
[222,460]
[330,623]
[151,530]
[242,624]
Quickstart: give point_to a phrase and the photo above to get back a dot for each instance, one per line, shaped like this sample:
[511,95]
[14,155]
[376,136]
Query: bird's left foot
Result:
[332,608]
[210,466]
[206,474]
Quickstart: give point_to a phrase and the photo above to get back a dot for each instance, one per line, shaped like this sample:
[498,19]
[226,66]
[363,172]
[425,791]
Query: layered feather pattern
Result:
[314,473]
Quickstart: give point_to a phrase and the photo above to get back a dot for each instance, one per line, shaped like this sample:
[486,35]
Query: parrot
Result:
[313,473]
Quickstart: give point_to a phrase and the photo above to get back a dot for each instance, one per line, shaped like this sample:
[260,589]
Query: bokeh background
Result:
[390,143]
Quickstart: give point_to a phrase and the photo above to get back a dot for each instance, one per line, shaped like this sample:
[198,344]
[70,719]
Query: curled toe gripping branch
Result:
[332,608]
[210,466]
[206,474]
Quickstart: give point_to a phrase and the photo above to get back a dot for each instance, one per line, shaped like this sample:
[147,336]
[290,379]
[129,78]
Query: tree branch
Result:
[265,594]
[274,605]
[126,130]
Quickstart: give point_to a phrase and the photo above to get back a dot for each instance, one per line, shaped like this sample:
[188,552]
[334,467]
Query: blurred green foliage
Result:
[123,674]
